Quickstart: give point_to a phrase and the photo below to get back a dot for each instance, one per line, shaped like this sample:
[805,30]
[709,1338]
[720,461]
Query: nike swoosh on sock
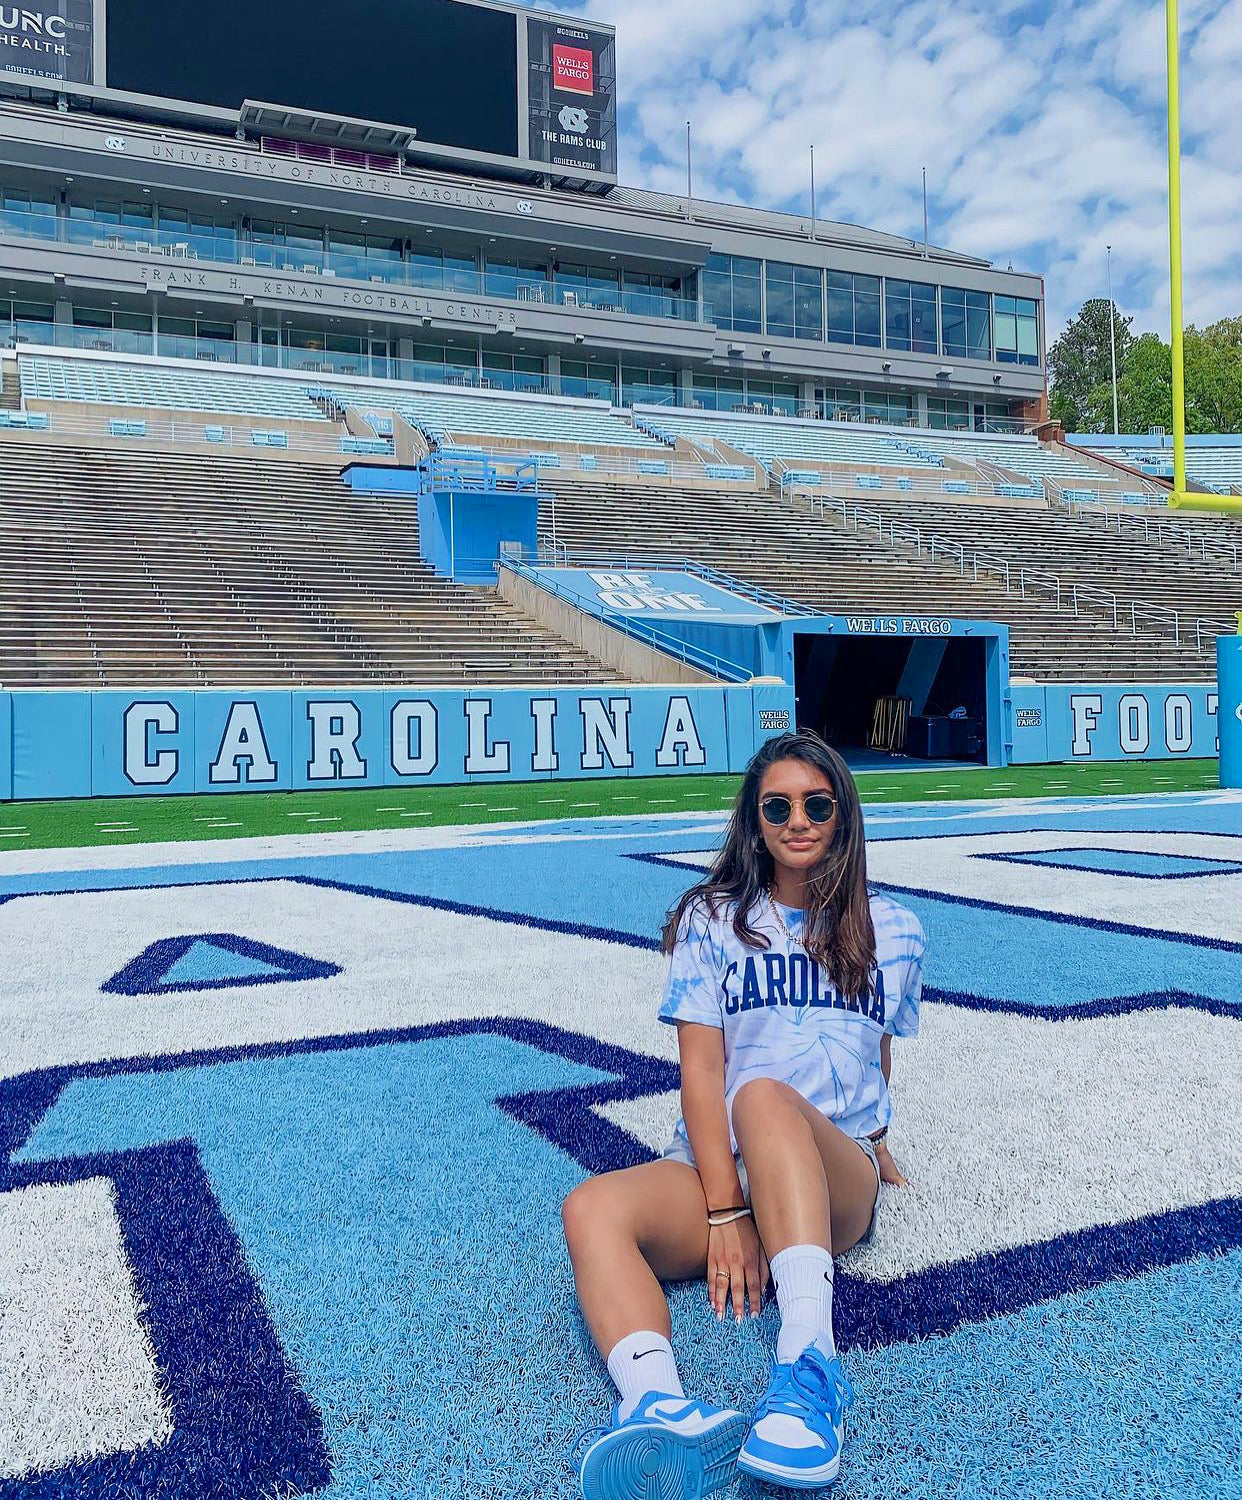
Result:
[646,1352]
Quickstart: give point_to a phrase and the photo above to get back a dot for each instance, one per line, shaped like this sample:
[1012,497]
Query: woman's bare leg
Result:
[810,1184]
[627,1231]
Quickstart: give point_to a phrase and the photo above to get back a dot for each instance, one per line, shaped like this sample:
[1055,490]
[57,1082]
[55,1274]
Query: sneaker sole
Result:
[794,1479]
[655,1463]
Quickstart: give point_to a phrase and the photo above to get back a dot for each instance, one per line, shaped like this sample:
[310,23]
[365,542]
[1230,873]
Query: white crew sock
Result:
[643,1362]
[802,1275]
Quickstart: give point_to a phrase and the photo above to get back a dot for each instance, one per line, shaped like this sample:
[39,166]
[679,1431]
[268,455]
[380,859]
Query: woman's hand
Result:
[888,1167]
[736,1268]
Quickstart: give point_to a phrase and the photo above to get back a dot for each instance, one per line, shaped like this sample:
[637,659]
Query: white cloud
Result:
[1041,124]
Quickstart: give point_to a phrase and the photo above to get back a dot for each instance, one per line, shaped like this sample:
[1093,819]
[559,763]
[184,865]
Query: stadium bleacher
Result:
[148,385]
[453,421]
[770,439]
[124,567]
[818,561]
[843,445]
[827,560]
[1212,462]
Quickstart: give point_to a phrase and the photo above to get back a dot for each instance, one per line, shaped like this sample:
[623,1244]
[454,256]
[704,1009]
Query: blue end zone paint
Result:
[214,1293]
[211,961]
[205,1309]
[1135,1421]
[1136,863]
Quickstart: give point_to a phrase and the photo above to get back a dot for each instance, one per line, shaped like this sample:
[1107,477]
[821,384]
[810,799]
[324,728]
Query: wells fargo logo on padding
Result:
[573,69]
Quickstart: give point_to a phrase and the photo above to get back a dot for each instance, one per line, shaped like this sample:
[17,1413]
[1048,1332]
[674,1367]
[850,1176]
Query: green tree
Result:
[1144,390]
[1213,360]
[1081,360]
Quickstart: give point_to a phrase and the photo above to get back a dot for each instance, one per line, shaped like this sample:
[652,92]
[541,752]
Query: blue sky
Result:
[1041,127]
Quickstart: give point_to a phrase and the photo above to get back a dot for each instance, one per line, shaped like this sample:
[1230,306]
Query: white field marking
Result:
[472,804]
[389,809]
[180,852]
[73,1348]
[1209,907]
[1011,1134]
[401,966]
[322,818]
[584,804]
[14,835]
[1031,1089]
[226,825]
[415,814]
[13,827]
[503,808]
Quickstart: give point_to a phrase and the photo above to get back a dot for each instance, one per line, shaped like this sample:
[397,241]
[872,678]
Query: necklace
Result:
[780,922]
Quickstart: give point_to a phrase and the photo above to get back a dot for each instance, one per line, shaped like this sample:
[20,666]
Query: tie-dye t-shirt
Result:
[781,1016]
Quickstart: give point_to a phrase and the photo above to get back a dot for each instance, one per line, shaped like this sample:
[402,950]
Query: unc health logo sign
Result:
[48,41]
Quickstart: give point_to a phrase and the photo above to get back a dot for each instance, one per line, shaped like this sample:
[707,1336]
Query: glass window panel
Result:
[781,308]
[746,305]
[91,317]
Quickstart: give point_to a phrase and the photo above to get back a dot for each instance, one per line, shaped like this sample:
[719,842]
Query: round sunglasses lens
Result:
[819,807]
[776,809]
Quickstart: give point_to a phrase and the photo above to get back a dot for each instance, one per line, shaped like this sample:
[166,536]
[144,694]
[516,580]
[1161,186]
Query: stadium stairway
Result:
[1150,574]
[118,567]
[772,543]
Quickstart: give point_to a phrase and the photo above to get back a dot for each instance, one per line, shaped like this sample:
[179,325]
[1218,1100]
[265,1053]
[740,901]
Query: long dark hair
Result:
[838,934]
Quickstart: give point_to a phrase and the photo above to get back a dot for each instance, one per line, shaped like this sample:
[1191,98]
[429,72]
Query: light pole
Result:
[1112,333]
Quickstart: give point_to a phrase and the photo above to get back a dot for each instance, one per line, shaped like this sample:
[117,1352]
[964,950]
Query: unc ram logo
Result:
[573,120]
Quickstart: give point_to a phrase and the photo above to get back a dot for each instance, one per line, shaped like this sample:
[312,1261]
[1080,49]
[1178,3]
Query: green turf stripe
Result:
[59,825]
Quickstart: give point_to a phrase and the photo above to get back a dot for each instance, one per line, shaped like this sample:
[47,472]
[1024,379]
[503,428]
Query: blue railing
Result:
[463,469]
[650,635]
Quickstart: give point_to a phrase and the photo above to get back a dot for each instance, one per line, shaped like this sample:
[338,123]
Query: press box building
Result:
[427,190]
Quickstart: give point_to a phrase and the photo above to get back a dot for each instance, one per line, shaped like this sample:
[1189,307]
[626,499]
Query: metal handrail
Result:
[946,544]
[1137,605]
[1087,591]
[997,564]
[678,562]
[639,630]
[1034,575]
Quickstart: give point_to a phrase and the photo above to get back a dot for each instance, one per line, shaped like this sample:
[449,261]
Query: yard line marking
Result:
[389,809]
[503,808]
[321,818]
[14,835]
[416,815]
[472,804]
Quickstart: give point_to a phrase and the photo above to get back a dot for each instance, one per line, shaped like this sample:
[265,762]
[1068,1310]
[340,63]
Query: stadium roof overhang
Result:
[335,130]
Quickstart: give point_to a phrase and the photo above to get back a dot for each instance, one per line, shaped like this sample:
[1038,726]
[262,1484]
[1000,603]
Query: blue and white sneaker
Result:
[670,1448]
[798,1427]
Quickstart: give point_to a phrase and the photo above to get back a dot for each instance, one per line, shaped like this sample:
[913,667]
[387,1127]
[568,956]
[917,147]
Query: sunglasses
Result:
[818,806]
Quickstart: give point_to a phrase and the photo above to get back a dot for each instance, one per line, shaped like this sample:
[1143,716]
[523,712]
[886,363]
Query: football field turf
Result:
[137,820]
[288,1118]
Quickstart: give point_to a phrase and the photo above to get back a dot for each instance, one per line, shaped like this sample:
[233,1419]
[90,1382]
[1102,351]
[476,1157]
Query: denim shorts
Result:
[679,1150]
